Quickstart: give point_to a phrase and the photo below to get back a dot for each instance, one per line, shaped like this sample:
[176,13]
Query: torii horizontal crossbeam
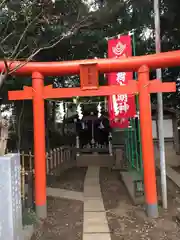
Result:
[154,86]
[125,64]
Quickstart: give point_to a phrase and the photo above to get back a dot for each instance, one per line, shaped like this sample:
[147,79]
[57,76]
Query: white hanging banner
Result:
[99,109]
[60,113]
[79,111]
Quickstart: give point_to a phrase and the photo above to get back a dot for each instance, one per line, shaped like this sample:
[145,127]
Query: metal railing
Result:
[133,145]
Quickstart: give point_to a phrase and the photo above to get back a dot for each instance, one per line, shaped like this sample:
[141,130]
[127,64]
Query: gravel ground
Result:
[65,221]
[177,169]
[72,179]
[65,217]
[128,222]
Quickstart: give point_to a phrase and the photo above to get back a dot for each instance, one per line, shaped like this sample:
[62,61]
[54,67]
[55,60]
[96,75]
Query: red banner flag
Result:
[120,123]
[122,106]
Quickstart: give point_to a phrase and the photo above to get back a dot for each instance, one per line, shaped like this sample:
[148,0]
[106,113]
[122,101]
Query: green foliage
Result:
[27,26]
[71,29]
[29,217]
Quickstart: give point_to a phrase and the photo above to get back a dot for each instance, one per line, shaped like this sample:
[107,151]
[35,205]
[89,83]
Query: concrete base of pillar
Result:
[41,211]
[152,210]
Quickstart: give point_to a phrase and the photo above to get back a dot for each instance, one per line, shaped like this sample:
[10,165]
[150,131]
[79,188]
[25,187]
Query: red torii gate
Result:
[89,70]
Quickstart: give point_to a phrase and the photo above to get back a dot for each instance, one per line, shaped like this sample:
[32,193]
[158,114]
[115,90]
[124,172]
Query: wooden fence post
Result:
[47,163]
[51,161]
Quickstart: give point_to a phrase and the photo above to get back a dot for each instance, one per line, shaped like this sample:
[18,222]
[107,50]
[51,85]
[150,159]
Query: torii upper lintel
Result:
[153,61]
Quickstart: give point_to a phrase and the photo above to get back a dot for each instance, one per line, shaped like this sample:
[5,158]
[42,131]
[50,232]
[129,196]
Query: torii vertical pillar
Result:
[39,145]
[147,142]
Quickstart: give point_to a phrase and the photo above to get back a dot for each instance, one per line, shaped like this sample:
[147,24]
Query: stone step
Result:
[92,192]
[95,222]
[91,182]
[93,205]
[93,160]
[96,236]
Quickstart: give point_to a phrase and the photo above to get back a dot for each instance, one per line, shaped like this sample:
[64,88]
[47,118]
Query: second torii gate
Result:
[89,70]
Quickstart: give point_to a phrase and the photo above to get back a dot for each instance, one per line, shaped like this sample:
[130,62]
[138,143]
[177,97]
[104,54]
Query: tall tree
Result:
[57,30]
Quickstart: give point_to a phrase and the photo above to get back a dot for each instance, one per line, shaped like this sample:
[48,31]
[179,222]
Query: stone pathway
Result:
[104,211]
[95,224]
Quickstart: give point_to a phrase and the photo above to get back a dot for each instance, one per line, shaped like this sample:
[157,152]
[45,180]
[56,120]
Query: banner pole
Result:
[137,106]
[160,109]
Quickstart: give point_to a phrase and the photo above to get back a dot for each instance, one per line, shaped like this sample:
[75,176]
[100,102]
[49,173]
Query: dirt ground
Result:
[130,222]
[72,179]
[65,221]
[65,217]
[177,169]
[126,222]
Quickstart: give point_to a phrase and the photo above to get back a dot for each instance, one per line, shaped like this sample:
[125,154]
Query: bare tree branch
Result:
[15,53]
[9,35]
[69,34]
[24,33]
[89,21]
[20,51]
[2,3]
